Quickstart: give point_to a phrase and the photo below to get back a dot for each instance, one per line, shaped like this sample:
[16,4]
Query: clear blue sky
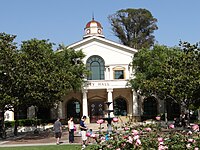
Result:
[63,21]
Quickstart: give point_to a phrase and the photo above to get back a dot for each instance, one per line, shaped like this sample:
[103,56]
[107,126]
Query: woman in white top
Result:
[71,130]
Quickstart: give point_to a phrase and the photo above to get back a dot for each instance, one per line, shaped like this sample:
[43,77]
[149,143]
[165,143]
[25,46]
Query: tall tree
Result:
[134,27]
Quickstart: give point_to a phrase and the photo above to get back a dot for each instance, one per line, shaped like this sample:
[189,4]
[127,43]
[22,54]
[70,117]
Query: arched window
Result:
[150,108]
[120,107]
[74,110]
[96,65]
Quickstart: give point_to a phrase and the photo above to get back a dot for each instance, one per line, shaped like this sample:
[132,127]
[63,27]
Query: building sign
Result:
[99,84]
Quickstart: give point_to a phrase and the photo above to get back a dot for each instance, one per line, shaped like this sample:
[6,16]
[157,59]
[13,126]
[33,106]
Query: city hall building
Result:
[110,69]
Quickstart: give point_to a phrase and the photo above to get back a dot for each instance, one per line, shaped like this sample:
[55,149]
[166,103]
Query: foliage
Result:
[169,73]
[134,27]
[8,62]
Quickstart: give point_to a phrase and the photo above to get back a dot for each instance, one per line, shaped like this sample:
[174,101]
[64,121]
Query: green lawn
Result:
[50,147]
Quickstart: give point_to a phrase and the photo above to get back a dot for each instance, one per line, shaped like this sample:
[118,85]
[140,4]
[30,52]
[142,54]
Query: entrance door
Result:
[74,110]
[96,109]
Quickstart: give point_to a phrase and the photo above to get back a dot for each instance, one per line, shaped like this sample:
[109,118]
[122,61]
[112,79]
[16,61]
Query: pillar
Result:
[135,104]
[110,99]
[85,103]
[60,114]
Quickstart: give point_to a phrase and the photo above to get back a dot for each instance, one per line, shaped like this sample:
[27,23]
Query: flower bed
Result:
[147,137]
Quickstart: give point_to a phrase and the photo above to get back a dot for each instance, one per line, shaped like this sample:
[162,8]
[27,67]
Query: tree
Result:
[45,75]
[169,73]
[8,63]
[134,27]
[35,75]
[183,75]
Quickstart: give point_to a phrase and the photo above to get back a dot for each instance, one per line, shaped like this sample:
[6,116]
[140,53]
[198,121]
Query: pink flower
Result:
[136,137]
[195,127]
[135,132]
[88,134]
[158,118]
[93,136]
[171,126]
[100,121]
[103,138]
[118,149]
[189,132]
[161,147]
[188,146]
[115,119]
[130,139]
[126,128]
[191,140]
[160,139]
[196,148]
[138,142]
[148,129]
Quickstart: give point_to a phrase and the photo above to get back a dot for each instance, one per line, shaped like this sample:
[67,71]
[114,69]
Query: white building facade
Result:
[109,64]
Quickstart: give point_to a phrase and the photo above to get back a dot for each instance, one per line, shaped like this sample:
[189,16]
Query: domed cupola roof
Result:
[93,28]
[93,23]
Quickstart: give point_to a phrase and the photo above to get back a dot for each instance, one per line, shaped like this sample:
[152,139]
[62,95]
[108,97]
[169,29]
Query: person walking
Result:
[58,130]
[83,131]
[71,130]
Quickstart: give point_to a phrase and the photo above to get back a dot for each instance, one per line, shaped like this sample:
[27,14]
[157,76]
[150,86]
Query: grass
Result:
[49,147]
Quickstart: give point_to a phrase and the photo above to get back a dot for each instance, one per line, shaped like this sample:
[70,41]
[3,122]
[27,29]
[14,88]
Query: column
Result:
[60,114]
[85,103]
[106,73]
[135,104]
[110,99]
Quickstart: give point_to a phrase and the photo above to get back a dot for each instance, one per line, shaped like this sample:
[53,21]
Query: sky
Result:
[63,21]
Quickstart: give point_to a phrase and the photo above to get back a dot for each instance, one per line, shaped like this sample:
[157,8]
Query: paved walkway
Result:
[30,139]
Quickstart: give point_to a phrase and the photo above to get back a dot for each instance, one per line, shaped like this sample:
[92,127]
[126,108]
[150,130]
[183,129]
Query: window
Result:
[119,74]
[96,65]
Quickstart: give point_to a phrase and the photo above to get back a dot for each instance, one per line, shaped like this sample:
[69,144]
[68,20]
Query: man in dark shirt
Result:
[83,131]
[58,130]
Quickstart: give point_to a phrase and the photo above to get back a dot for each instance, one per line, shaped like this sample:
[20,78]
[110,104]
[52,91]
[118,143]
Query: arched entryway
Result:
[173,109]
[150,108]
[96,110]
[74,109]
[120,107]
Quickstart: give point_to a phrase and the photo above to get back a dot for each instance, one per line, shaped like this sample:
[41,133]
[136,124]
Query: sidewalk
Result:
[30,139]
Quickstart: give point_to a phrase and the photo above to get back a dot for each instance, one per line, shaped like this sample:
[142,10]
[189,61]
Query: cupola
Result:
[93,28]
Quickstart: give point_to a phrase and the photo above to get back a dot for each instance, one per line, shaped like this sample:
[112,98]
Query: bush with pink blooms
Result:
[131,137]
